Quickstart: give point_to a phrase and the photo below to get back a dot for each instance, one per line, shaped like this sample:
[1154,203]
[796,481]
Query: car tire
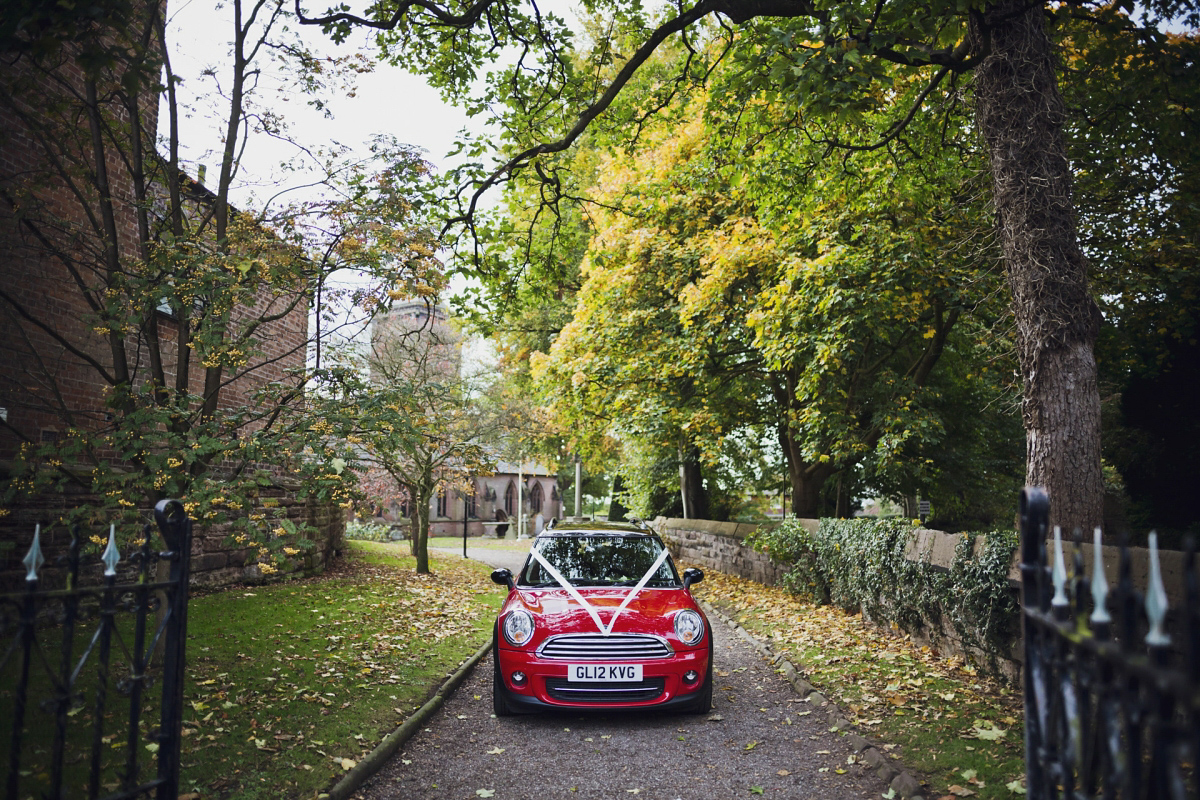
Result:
[704,701]
[500,706]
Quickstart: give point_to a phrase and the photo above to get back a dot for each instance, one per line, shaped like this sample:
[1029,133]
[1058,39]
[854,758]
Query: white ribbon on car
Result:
[566,584]
[554,573]
[662,556]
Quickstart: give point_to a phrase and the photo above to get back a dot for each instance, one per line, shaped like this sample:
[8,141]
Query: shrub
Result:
[864,562]
[983,607]
[368,531]
[860,565]
[792,543]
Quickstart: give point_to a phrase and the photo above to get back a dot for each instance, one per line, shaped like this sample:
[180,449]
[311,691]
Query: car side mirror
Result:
[504,577]
[691,575]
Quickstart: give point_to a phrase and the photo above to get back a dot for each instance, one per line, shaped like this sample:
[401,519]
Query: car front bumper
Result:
[546,685]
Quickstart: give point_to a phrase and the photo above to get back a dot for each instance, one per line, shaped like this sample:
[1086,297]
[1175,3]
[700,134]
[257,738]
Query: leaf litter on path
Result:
[273,697]
[889,686]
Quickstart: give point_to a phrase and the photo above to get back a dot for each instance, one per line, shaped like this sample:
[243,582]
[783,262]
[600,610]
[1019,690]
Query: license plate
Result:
[604,673]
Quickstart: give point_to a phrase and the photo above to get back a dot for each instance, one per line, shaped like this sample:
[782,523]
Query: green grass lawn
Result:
[935,714]
[287,684]
[290,684]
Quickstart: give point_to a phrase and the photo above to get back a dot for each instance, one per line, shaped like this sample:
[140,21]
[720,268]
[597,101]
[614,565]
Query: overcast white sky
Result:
[388,100]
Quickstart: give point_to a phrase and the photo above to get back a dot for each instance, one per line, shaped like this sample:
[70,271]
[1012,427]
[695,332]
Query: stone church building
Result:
[514,493]
[525,494]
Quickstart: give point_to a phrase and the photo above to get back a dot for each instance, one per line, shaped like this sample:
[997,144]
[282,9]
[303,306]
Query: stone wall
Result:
[217,562]
[937,549]
[721,546]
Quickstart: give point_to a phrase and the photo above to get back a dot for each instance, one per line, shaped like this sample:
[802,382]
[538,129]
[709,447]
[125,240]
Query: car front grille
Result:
[587,647]
[562,689]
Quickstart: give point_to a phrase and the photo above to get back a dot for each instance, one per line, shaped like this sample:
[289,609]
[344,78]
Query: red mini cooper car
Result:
[599,618]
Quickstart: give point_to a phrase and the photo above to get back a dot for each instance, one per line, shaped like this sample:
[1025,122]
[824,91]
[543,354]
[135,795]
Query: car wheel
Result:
[500,705]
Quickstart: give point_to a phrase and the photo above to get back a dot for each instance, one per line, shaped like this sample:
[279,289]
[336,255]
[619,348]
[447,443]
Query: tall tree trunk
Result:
[617,512]
[806,479]
[421,524]
[841,504]
[807,482]
[1020,114]
[691,483]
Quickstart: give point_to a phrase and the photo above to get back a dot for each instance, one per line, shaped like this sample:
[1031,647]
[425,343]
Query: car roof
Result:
[597,529]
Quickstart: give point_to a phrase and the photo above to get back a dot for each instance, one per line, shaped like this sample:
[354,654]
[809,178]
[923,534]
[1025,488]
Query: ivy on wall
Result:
[860,565]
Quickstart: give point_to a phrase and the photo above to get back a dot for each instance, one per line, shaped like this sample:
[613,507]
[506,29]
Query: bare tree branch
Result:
[51,331]
[464,21]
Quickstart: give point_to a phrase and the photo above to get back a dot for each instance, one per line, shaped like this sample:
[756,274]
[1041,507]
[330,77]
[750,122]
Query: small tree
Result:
[414,417]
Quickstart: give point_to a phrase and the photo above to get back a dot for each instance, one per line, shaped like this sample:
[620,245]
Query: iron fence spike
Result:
[1156,599]
[1191,610]
[1100,615]
[116,663]
[34,559]
[111,555]
[1059,573]
[1103,720]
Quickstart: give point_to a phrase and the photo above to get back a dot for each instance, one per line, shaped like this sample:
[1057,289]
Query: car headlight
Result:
[689,626]
[518,627]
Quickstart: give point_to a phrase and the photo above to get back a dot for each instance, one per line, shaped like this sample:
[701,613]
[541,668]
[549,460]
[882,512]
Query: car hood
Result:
[650,611]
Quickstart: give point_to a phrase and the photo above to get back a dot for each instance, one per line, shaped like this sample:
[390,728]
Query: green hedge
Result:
[368,531]
[859,564]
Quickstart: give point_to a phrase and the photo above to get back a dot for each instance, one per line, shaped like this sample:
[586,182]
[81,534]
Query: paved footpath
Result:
[512,558]
[760,736]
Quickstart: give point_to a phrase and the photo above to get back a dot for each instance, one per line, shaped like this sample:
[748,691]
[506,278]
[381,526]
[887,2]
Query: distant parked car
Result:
[599,618]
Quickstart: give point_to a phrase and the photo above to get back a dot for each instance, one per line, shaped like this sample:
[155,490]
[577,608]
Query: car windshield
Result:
[598,560]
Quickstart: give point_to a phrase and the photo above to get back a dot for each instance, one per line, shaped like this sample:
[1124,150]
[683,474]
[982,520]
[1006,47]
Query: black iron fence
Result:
[1112,704]
[79,664]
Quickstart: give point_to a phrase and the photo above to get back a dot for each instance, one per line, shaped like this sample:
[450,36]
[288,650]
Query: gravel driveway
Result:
[760,737]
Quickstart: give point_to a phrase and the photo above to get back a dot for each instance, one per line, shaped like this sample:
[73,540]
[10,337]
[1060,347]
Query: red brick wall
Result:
[52,259]
[43,385]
